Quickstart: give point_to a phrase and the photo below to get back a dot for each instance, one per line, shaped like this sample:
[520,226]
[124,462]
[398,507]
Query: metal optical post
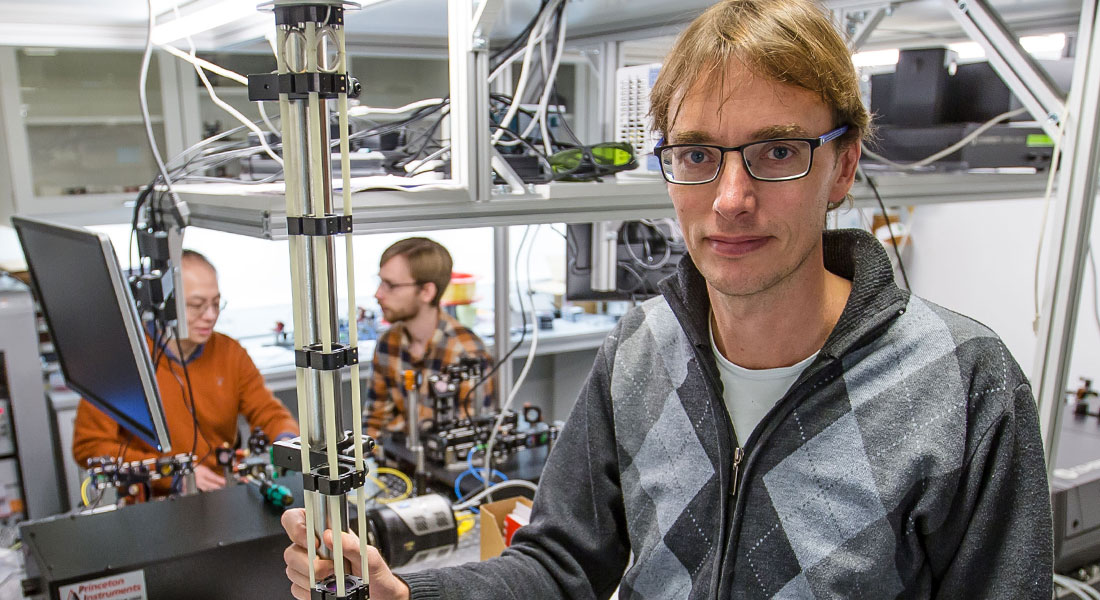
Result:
[312,72]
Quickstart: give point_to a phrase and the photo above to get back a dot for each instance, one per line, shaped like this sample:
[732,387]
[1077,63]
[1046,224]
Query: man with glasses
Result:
[784,421]
[201,403]
[412,275]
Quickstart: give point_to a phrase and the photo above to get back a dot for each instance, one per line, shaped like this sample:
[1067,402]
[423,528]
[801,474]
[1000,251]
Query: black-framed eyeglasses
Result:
[388,286]
[592,161]
[780,159]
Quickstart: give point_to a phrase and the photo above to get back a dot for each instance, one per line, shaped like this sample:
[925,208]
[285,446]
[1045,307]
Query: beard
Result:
[396,314]
[754,284]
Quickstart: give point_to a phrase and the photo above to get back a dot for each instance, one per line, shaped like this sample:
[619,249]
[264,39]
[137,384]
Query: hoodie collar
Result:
[852,254]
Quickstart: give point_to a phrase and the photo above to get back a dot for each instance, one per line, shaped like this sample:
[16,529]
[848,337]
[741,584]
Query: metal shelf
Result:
[902,189]
[263,215]
[236,209]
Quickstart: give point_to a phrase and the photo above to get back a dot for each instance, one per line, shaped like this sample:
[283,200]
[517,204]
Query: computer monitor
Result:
[645,253]
[93,324]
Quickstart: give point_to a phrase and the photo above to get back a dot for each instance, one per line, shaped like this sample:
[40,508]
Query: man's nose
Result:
[735,192]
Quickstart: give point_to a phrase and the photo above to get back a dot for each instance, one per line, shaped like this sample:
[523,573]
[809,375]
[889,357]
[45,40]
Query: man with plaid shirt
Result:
[413,274]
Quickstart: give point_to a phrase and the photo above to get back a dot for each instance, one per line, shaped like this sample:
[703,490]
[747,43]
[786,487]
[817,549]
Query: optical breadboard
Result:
[632,122]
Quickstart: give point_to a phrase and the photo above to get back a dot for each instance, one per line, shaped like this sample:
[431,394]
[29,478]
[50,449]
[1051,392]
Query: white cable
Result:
[539,35]
[267,120]
[523,483]
[414,167]
[525,73]
[526,365]
[637,259]
[200,70]
[362,111]
[1073,590]
[544,102]
[205,64]
[548,76]
[144,101]
[1080,588]
[542,54]
[201,144]
[1048,195]
[946,151]
[237,115]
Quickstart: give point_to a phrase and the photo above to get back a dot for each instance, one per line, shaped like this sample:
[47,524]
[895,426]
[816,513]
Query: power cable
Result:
[889,227]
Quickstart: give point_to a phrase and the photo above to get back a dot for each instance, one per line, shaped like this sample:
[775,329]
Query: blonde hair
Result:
[429,262]
[788,41]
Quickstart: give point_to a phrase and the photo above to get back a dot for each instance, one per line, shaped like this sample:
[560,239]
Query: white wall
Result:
[255,273]
[978,258]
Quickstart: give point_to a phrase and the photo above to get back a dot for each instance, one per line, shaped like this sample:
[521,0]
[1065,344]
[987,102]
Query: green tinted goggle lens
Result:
[567,160]
[611,155]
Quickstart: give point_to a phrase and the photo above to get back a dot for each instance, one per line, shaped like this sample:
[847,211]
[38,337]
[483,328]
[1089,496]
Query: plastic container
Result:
[461,290]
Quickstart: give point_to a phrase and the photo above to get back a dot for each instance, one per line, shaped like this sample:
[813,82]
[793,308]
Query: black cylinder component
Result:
[415,529]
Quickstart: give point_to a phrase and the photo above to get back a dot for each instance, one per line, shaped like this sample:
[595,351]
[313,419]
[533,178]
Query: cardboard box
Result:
[492,525]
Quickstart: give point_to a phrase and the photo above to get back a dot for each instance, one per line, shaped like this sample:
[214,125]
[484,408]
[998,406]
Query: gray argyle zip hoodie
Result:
[905,462]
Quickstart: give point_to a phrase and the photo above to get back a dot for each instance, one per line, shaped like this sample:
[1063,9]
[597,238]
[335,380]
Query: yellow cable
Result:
[403,477]
[465,525]
[84,491]
[378,482]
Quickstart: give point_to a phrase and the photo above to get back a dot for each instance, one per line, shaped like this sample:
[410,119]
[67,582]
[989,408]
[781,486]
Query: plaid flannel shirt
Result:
[386,395]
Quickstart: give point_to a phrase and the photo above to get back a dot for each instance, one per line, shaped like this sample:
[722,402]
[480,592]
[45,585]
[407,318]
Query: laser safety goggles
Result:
[591,162]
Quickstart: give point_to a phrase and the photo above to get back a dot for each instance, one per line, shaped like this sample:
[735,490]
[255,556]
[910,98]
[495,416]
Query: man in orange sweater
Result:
[224,381]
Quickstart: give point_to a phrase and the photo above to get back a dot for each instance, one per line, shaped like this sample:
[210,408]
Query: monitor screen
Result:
[646,252]
[94,325]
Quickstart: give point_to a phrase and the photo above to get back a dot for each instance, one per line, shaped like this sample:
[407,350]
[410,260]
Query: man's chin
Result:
[740,284]
[391,317]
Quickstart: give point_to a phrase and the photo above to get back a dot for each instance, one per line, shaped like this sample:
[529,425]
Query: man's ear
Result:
[427,292]
[845,175]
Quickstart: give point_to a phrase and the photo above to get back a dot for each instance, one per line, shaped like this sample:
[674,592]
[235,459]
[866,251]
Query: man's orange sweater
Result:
[225,383]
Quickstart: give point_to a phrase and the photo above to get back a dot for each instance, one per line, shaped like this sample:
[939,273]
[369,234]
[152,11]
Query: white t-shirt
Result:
[751,393]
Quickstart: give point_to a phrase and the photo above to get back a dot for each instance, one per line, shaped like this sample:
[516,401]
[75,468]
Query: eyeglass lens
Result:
[198,309]
[770,159]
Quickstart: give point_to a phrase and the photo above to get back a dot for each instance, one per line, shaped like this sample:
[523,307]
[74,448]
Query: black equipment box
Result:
[526,464]
[999,146]
[932,101]
[226,543]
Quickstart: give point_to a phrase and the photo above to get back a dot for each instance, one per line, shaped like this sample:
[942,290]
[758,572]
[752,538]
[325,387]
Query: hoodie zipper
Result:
[738,456]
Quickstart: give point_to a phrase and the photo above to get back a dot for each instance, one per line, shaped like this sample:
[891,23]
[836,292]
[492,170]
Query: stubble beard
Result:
[396,315]
[760,284]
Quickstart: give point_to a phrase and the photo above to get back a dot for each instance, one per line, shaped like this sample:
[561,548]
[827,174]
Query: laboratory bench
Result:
[562,360]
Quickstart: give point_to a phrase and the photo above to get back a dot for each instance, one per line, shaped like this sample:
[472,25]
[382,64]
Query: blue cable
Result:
[472,471]
[476,472]
[470,464]
[458,482]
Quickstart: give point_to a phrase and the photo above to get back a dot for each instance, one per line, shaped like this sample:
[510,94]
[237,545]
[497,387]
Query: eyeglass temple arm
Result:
[832,135]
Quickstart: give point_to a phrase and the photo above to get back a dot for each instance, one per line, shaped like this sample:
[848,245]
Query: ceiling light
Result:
[202,20]
[875,58]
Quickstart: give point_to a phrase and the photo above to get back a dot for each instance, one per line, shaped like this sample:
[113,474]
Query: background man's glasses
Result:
[592,161]
[781,159]
[385,286]
[197,310]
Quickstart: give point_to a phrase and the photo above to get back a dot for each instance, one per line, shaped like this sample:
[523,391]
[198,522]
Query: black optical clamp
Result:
[157,286]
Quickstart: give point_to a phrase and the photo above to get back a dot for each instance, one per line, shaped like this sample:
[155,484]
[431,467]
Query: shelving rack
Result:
[599,34]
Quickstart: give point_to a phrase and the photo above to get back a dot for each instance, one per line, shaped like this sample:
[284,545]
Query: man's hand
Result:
[383,584]
[207,479]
